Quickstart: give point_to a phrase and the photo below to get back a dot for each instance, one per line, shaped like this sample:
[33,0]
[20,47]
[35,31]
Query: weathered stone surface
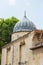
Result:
[20,51]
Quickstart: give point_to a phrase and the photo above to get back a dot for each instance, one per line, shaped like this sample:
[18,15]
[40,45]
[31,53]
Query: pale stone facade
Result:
[26,47]
[27,50]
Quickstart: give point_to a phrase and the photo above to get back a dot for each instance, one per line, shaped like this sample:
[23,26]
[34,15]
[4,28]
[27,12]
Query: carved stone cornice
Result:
[37,46]
[38,35]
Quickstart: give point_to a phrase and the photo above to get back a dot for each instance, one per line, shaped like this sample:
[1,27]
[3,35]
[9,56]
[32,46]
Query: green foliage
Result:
[6,28]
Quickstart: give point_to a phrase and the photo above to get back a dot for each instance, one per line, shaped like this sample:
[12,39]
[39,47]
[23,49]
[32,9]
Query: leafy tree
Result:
[6,28]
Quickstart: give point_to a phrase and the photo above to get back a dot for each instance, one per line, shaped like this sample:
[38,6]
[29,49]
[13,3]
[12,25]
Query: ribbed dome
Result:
[24,25]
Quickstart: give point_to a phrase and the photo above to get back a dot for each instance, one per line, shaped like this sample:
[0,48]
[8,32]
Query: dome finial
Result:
[24,13]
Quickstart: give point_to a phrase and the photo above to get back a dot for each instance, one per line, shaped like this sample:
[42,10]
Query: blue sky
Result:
[34,10]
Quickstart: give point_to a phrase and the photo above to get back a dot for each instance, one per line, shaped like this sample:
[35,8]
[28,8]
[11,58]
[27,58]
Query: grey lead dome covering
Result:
[24,25]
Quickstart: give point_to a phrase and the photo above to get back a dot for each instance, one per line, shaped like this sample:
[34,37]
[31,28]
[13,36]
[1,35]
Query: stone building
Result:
[26,47]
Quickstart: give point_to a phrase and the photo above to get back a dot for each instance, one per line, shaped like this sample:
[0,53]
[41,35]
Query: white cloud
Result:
[12,2]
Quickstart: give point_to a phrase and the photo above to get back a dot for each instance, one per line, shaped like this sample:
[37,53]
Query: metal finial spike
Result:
[24,13]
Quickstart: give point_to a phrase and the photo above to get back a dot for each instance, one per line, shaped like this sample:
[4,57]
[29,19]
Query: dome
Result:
[24,25]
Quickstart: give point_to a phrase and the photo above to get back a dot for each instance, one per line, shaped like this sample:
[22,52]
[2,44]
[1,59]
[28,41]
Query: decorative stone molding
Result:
[36,46]
[22,43]
[39,36]
[8,49]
